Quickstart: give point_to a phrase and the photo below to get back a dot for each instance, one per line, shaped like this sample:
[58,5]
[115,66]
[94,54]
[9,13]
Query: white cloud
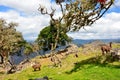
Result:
[106,27]
[29,6]
[29,26]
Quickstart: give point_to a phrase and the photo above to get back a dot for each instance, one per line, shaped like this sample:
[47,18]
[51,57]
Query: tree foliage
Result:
[48,35]
[76,14]
[10,38]
[28,48]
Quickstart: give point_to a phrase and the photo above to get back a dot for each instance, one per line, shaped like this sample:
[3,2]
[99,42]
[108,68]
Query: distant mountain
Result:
[80,42]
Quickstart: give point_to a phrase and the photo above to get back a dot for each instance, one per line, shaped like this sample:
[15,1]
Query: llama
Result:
[106,48]
[115,53]
[36,66]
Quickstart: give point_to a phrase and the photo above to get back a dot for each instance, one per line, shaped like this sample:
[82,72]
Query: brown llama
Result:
[36,66]
[106,48]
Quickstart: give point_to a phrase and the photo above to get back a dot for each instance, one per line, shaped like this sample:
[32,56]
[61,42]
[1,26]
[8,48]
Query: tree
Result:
[76,14]
[28,48]
[10,39]
[47,36]
[36,47]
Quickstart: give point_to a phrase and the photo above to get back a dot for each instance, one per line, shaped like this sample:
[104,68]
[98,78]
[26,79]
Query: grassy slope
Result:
[87,67]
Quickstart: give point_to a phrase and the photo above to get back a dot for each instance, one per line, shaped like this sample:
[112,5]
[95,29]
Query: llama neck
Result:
[110,45]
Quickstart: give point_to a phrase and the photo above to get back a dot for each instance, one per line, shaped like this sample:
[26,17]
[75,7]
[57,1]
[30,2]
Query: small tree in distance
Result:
[76,14]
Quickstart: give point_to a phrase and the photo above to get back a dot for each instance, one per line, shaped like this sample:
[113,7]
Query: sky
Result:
[31,22]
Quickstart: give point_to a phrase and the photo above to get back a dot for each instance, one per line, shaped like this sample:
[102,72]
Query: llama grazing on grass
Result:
[106,48]
[36,66]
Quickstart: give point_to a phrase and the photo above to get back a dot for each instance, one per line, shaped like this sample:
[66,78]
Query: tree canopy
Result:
[76,14]
[48,35]
[10,38]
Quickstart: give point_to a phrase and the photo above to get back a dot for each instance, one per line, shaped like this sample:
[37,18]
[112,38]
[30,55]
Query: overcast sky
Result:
[31,21]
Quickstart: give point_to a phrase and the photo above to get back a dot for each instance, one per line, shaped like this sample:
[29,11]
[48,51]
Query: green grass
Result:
[85,67]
